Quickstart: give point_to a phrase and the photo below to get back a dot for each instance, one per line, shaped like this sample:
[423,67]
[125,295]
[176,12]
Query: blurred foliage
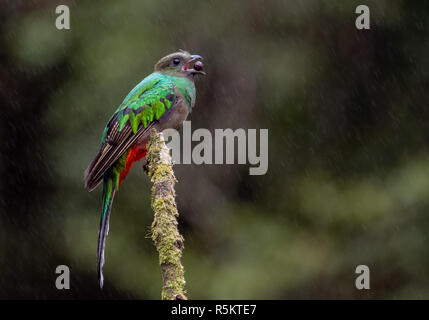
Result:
[348,177]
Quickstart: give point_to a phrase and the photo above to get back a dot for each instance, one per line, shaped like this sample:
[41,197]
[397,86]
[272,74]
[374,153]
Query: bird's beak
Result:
[193,59]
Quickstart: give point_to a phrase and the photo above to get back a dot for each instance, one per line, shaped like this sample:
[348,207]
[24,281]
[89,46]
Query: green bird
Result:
[162,100]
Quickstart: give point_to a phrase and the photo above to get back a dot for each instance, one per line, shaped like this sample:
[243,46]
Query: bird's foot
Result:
[145,166]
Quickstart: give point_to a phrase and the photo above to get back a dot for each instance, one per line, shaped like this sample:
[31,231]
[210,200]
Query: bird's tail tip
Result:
[100,270]
[101,280]
[109,191]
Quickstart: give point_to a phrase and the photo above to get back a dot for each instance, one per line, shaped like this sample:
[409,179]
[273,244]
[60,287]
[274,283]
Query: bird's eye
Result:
[176,61]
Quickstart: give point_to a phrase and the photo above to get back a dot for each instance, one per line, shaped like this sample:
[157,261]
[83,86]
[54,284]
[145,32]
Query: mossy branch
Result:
[165,233]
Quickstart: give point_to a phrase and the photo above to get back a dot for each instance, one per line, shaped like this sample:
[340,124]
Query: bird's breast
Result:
[172,119]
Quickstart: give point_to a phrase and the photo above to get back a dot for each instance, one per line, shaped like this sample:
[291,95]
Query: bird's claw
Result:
[145,166]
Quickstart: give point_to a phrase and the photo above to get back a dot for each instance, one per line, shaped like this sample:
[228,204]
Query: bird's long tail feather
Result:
[109,191]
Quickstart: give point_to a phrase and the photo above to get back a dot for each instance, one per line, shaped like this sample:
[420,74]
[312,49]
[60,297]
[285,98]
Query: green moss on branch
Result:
[165,233]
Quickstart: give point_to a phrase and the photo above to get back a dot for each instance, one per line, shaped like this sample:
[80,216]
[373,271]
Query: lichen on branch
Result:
[165,234]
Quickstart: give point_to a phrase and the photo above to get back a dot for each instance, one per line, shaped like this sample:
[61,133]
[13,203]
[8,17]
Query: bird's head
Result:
[181,63]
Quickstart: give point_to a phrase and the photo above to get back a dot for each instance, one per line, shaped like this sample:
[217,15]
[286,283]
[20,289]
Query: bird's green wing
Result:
[143,107]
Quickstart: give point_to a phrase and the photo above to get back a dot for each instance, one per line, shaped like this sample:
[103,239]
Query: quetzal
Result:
[162,100]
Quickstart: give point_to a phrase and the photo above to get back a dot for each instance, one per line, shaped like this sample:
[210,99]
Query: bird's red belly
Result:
[136,153]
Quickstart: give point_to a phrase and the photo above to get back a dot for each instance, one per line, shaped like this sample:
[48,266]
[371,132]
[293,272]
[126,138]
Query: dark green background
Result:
[348,177]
